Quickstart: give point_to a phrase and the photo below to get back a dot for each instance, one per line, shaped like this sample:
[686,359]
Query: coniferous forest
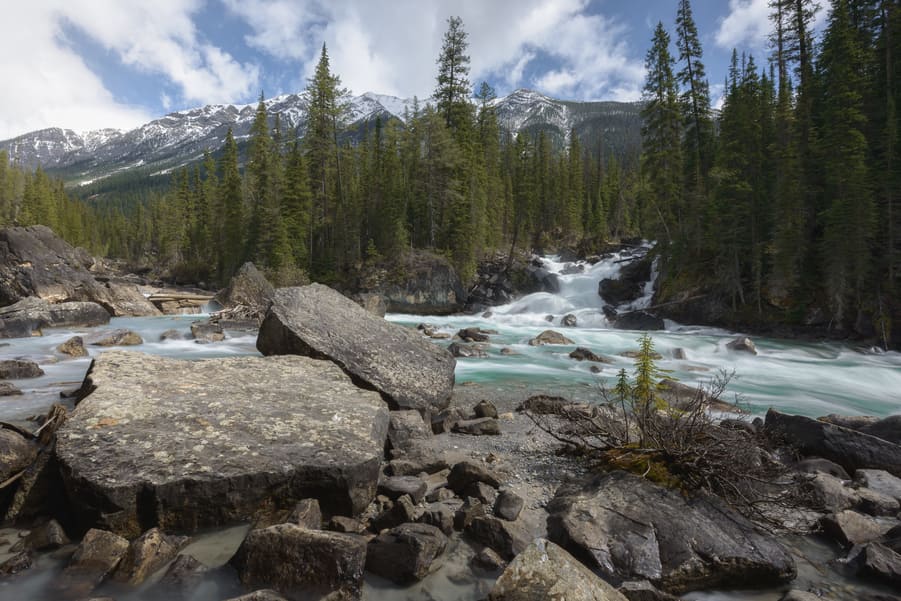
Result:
[780,206]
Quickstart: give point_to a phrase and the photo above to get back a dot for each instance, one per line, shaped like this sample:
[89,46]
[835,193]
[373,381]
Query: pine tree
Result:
[231,203]
[453,88]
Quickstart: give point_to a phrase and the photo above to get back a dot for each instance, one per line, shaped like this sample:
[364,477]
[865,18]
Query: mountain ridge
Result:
[181,137]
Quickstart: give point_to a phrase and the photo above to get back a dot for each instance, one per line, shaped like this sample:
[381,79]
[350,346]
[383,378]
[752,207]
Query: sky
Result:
[90,64]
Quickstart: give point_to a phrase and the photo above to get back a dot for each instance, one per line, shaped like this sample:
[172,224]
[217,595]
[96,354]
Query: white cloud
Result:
[746,25]
[49,85]
[391,47]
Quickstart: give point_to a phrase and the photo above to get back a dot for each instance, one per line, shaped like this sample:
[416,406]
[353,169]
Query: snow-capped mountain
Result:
[182,137]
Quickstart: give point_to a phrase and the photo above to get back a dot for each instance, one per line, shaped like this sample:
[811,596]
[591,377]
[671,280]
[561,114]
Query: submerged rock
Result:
[742,344]
[631,529]
[545,571]
[18,369]
[206,332]
[118,337]
[408,370]
[8,389]
[185,445]
[550,337]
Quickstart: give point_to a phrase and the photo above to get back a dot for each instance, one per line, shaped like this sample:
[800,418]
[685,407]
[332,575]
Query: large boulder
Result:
[850,449]
[16,453]
[638,320]
[409,371]
[405,554]
[120,299]
[248,288]
[419,283]
[185,445]
[29,316]
[545,571]
[146,554]
[17,369]
[630,284]
[500,280]
[293,559]
[93,561]
[631,529]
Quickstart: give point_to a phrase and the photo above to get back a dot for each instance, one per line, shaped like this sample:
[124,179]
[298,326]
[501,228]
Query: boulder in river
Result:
[742,344]
[8,389]
[73,347]
[418,283]
[31,315]
[205,332]
[629,286]
[406,553]
[293,559]
[409,371]
[117,337]
[546,571]
[186,445]
[638,320]
[549,337]
[850,449]
[631,529]
[247,288]
[146,554]
[96,557]
[18,369]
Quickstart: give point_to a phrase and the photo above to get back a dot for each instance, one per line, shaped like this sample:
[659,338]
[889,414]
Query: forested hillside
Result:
[778,208]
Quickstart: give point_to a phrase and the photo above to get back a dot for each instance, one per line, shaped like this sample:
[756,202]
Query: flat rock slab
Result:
[185,445]
[316,321]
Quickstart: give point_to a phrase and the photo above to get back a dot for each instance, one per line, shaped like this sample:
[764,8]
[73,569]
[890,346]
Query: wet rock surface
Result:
[29,316]
[190,444]
[316,321]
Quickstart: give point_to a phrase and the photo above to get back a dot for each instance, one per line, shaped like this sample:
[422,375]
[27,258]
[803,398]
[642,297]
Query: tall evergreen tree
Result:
[453,88]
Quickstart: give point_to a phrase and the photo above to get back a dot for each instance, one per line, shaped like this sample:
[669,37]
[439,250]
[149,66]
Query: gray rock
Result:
[481,491]
[742,344]
[629,528]
[405,427]
[395,487]
[851,449]
[96,557]
[888,428]
[485,409]
[638,320]
[545,571]
[406,553]
[315,320]
[509,539]
[17,563]
[473,335]
[193,444]
[813,465]
[428,284]
[642,590]
[16,453]
[400,512]
[119,337]
[341,523]
[831,494]
[488,559]
[483,426]
[182,576]
[852,528]
[852,422]
[321,563]
[875,503]
[466,473]
[9,389]
[248,288]
[171,335]
[879,562]
[307,514]
[465,351]
[19,369]
[467,513]
[45,537]
[120,299]
[146,554]
[31,315]
[679,354]
[74,347]
[206,332]
[569,321]
[508,505]
[441,514]
[880,481]
[584,354]
[550,337]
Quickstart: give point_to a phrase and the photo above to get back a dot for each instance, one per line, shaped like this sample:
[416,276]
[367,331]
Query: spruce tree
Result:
[453,88]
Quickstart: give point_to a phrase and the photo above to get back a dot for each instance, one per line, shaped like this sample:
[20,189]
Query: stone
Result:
[472,335]
[404,427]
[146,554]
[182,576]
[481,426]
[813,465]
[481,491]
[630,529]
[852,528]
[341,523]
[321,562]
[550,337]
[395,487]
[485,409]
[17,563]
[119,299]
[488,559]
[569,321]
[638,320]
[406,553]
[508,505]
[467,513]
[742,344]
[879,481]
[642,590]
[206,332]
[408,370]
[630,284]
[852,422]
[583,354]
[831,494]
[888,428]
[509,539]
[545,571]
[401,512]
[74,347]
[680,354]
[186,445]
[119,337]
[249,289]
[307,514]
[879,562]
[464,351]
[19,369]
[264,595]
[44,537]
[851,449]
[9,389]
[416,282]
[171,335]
[441,514]
[466,473]
[96,557]
[16,453]
[875,503]
[31,315]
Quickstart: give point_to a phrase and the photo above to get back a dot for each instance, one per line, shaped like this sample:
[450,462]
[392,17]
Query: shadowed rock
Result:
[406,553]
[31,315]
[185,445]
[316,321]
